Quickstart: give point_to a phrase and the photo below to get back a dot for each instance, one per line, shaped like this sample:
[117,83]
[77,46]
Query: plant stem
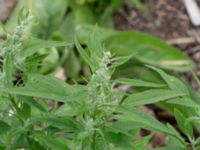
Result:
[196,78]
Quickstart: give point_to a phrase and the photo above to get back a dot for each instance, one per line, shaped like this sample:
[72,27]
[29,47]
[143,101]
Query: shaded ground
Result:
[165,19]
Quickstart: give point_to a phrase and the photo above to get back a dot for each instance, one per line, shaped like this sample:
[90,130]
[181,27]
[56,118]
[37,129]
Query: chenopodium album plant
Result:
[95,116]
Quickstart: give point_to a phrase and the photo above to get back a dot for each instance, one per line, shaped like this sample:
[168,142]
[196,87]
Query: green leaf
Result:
[52,142]
[31,63]
[93,55]
[138,83]
[176,85]
[138,4]
[50,88]
[151,96]
[172,82]
[181,121]
[35,145]
[83,14]
[4,127]
[19,141]
[83,53]
[120,61]
[67,28]
[106,16]
[72,65]
[94,45]
[25,111]
[63,123]
[140,143]
[125,127]
[8,68]
[32,45]
[33,103]
[83,32]
[2,147]
[119,141]
[50,62]
[66,109]
[4,103]
[47,15]
[196,77]
[184,102]
[148,49]
[136,116]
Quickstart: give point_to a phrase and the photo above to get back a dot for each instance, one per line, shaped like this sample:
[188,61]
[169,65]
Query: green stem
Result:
[196,78]
[193,143]
[193,147]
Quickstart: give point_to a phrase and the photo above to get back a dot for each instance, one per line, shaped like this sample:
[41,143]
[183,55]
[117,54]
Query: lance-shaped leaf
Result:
[50,88]
[135,115]
[181,121]
[52,142]
[172,82]
[148,49]
[32,45]
[139,83]
[4,127]
[177,85]
[151,96]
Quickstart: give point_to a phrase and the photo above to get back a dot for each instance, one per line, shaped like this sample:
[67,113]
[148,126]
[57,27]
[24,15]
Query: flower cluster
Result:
[100,81]
[13,45]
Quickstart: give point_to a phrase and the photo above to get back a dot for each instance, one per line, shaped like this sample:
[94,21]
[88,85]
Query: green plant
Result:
[16,62]
[70,17]
[90,111]
[93,116]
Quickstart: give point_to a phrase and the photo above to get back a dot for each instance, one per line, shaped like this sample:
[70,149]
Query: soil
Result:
[5,8]
[164,19]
